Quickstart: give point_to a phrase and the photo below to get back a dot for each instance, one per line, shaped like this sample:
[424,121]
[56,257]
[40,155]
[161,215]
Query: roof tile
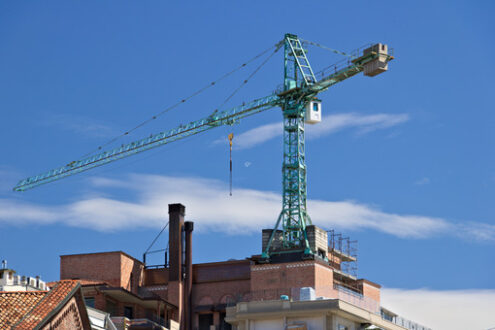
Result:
[14,305]
[51,301]
[26,309]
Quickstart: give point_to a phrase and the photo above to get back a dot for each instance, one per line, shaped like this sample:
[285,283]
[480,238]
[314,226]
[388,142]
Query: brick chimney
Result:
[176,228]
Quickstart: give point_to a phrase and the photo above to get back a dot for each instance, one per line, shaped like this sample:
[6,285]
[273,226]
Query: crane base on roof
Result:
[282,257]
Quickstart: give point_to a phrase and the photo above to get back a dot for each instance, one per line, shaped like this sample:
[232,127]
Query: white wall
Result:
[313,323]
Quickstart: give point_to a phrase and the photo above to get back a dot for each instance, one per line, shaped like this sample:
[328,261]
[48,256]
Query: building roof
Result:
[52,301]
[108,252]
[14,305]
[27,309]
[146,298]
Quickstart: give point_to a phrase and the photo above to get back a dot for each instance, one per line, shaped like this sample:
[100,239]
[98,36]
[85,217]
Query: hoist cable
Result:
[248,78]
[231,135]
[327,48]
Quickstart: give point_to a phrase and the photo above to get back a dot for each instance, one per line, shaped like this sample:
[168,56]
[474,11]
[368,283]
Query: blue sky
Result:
[403,162]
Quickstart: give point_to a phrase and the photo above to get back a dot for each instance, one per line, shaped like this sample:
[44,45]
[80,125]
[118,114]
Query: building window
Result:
[342,327]
[315,106]
[128,312]
[1,274]
[321,253]
[223,324]
[111,307]
[205,320]
[90,301]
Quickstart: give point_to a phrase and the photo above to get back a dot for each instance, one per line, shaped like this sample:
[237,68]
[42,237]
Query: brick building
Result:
[199,295]
[115,282]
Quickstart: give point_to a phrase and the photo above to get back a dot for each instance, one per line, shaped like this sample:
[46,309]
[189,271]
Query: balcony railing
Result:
[357,299]
[122,322]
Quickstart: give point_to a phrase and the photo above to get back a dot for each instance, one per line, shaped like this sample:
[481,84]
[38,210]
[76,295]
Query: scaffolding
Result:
[344,253]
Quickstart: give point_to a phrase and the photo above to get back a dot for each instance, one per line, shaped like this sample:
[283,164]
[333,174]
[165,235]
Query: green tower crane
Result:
[299,105]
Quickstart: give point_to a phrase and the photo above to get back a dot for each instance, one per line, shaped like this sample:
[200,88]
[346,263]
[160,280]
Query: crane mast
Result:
[294,216]
[300,88]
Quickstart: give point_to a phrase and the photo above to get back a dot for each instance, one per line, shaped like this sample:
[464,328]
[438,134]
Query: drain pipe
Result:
[188,228]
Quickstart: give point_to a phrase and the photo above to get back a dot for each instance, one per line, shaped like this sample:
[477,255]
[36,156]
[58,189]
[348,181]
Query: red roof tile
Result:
[14,305]
[26,309]
[53,299]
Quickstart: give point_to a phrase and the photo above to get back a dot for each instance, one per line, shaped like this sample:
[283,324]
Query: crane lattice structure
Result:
[298,102]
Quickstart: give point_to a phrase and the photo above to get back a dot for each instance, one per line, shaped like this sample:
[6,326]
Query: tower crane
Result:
[299,105]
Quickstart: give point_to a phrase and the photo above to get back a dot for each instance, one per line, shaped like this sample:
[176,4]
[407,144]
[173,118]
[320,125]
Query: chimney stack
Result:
[176,227]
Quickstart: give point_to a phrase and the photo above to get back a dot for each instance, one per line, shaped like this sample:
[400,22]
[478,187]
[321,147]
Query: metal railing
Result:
[123,322]
[408,324]
[357,299]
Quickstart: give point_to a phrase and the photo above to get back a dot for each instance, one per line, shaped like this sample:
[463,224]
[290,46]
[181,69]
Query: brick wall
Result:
[98,266]
[69,317]
[370,289]
[219,293]
[318,239]
[114,268]
[131,273]
[272,280]
[324,282]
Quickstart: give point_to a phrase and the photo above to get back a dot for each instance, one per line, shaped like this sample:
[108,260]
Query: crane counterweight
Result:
[380,63]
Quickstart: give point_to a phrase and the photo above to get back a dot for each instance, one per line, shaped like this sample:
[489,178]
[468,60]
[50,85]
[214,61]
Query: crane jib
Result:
[216,119]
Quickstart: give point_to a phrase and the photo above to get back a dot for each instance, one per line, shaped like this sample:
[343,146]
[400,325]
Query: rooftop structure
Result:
[9,281]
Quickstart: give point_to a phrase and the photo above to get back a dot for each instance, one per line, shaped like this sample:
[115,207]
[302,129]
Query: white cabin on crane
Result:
[313,112]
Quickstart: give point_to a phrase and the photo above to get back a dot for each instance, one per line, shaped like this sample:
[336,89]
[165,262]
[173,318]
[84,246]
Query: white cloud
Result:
[210,206]
[443,310]
[17,212]
[478,231]
[422,181]
[330,124]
